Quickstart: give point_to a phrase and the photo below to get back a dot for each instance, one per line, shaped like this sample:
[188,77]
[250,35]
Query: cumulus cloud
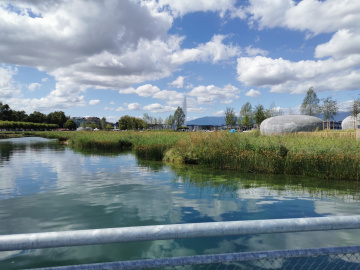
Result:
[306,15]
[211,94]
[178,83]
[134,106]
[145,90]
[94,102]
[220,113]
[253,93]
[255,51]
[8,87]
[102,44]
[183,7]
[33,86]
[296,77]
[344,42]
[213,51]
[158,108]
[86,43]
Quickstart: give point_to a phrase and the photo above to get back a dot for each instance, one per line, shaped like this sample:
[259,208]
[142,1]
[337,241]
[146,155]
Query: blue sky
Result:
[113,58]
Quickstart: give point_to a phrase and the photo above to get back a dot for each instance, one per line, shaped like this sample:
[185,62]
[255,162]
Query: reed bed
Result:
[329,134]
[326,157]
[147,145]
[330,157]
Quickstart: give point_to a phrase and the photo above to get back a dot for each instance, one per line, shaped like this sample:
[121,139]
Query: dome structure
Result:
[289,124]
[349,122]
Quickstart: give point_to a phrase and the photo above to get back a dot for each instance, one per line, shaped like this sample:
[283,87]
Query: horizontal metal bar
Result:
[213,258]
[162,232]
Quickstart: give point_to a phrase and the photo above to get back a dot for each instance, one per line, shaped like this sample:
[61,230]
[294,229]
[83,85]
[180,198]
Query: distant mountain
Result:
[339,116]
[220,120]
[208,121]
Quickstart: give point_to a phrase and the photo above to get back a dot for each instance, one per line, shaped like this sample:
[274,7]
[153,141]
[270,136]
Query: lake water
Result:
[48,187]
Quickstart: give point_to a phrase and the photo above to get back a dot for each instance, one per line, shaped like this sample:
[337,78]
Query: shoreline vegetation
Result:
[328,155]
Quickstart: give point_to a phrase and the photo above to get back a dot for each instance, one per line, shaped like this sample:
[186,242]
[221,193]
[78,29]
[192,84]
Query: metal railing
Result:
[176,231]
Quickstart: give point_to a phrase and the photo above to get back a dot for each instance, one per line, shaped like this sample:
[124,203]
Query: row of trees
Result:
[7,114]
[130,122]
[26,125]
[248,116]
[310,106]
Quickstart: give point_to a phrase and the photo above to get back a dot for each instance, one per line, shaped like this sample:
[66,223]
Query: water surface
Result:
[46,187]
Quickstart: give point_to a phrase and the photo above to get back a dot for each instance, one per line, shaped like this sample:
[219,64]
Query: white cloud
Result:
[253,93]
[134,106]
[112,103]
[94,102]
[158,108]
[211,94]
[145,90]
[178,83]
[180,8]
[119,109]
[32,86]
[344,42]
[255,51]
[102,45]
[306,15]
[296,77]
[219,113]
[212,51]
[87,44]
[8,87]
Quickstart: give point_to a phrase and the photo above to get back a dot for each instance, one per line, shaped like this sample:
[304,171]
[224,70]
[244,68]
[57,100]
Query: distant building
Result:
[82,120]
[78,120]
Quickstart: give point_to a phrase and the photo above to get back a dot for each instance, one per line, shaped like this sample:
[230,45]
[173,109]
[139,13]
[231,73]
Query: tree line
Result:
[310,106]
[57,118]
[177,119]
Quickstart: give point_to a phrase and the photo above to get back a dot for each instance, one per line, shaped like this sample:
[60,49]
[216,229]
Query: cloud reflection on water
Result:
[50,188]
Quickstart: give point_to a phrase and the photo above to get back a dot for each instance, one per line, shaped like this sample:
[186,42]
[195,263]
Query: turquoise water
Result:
[48,187]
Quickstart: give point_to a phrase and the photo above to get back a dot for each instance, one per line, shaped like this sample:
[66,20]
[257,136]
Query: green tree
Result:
[37,117]
[5,112]
[70,124]
[19,116]
[355,107]
[169,120]
[310,105]
[127,122]
[179,117]
[355,111]
[148,119]
[103,123]
[246,115]
[259,114]
[57,117]
[230,117]
[329,109]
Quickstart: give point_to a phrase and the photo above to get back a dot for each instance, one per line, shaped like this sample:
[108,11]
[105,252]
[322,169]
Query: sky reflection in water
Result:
[48,187]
